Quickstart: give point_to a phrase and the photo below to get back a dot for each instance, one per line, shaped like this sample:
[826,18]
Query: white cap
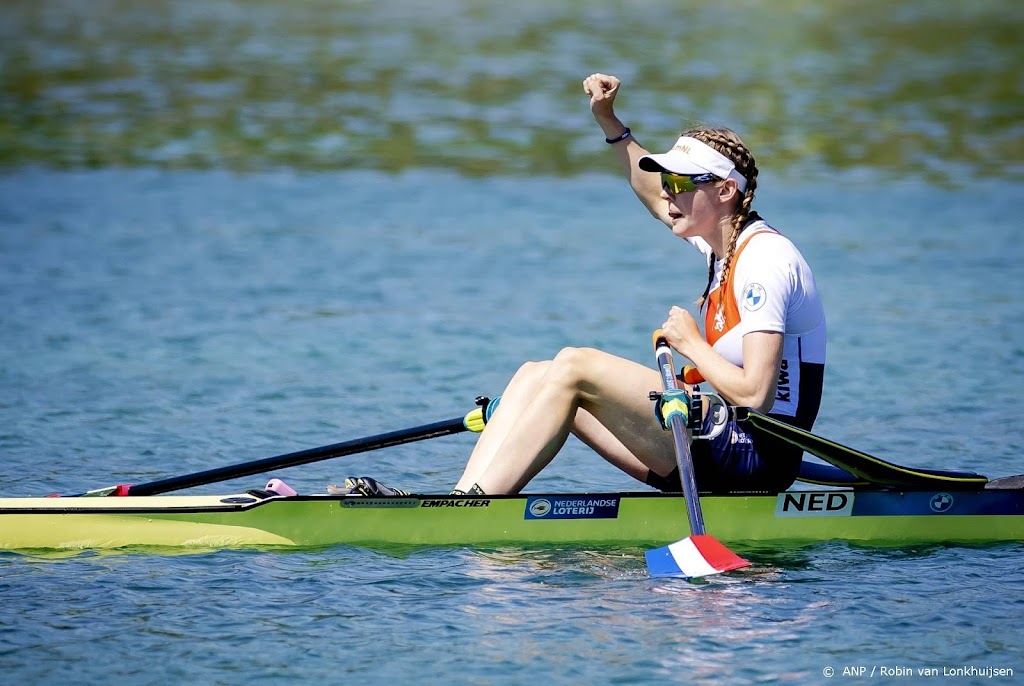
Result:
[691,157]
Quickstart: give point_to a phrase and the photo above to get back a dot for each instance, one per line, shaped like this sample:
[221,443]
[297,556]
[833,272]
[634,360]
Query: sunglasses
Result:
[678,183]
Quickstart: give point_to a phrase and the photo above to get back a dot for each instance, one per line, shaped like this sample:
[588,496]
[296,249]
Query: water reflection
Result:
[723,628]
[926,88]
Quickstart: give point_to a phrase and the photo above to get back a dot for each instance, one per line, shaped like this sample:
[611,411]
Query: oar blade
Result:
[693,557]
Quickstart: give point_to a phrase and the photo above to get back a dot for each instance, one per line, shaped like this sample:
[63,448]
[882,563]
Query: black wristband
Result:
[625,134]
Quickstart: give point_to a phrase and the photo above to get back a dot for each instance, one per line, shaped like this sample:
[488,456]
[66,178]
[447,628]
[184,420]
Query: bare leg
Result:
[514,400]
[613,393]
[604,443]
[516,397]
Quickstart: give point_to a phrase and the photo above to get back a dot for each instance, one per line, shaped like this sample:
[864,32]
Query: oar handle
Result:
[691,374]
[663,354]
[658,338]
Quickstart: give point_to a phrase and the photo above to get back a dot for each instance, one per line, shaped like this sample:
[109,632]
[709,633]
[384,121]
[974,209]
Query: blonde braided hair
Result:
[729,144]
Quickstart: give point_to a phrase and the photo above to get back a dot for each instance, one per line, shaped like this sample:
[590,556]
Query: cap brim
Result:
[674,162]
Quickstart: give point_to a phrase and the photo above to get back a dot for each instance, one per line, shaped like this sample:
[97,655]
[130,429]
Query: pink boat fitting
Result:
[280,487]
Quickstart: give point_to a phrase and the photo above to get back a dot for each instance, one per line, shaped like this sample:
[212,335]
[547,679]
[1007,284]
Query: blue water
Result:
[235,229]
[161,322]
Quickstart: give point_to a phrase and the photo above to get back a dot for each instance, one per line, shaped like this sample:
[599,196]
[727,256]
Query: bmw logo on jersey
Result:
[753,297]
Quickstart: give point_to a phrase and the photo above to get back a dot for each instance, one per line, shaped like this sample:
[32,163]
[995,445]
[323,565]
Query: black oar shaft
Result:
[861,465]
[385,440]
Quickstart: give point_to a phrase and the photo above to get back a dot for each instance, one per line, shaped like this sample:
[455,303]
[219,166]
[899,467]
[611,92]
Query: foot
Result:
[364,485]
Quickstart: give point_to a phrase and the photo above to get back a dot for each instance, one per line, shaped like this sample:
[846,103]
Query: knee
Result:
[531,371]
[572,366]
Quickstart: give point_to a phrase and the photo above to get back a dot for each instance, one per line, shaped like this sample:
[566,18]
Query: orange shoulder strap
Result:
[723,312]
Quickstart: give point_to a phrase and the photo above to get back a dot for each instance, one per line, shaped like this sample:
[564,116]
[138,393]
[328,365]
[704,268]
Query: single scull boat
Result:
[863,516]
[865,500]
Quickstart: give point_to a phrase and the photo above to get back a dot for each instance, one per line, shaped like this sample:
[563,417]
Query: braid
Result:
[730,145]
[711,277]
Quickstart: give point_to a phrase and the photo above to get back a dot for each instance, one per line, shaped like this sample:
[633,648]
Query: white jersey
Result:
[771,288]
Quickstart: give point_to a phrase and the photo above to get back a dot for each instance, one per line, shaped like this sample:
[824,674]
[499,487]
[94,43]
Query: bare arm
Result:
[602,90]
[753,384]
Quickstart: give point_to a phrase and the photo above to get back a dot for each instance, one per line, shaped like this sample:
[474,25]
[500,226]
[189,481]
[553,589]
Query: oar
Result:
[699,554]
[474,421]
[866,468]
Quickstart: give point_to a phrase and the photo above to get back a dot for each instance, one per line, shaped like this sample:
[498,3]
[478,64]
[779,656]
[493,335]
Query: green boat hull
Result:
[883,518]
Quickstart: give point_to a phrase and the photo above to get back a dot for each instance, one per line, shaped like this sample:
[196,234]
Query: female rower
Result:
[764,342]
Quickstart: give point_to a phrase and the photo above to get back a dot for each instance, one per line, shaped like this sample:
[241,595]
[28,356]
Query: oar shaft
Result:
[861,465]
[385,440]
[699,554]
[684,459]
[686,476]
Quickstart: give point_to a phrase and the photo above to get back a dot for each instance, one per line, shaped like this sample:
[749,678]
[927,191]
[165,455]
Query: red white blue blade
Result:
[693,557]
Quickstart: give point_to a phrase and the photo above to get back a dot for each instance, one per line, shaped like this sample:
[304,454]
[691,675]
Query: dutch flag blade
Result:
[692,557]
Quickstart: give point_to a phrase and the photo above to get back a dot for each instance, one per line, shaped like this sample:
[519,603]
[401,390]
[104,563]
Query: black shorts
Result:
[740,458]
